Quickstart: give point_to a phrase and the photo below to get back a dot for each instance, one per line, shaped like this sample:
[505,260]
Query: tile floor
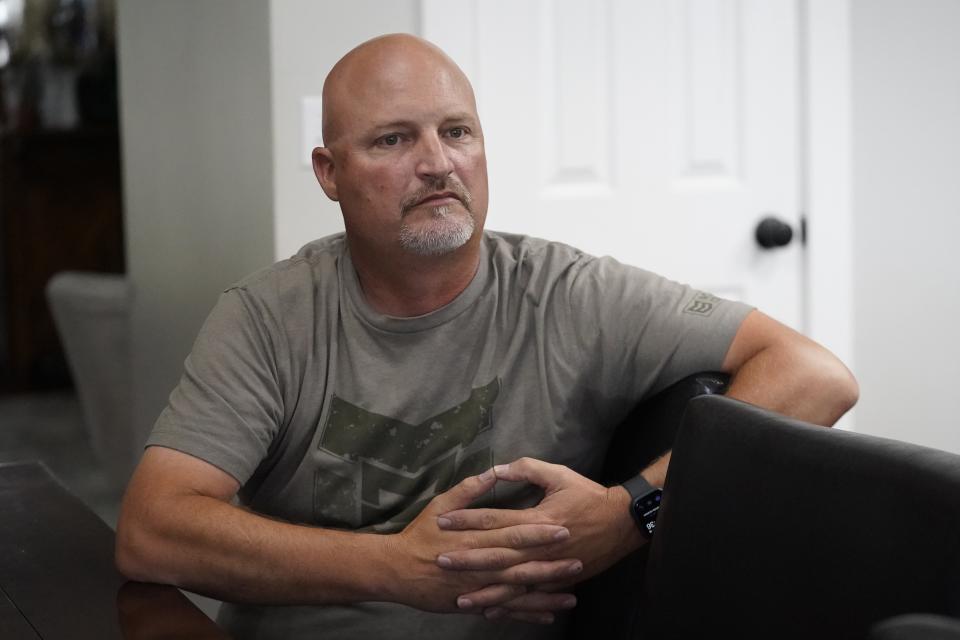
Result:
[49,427]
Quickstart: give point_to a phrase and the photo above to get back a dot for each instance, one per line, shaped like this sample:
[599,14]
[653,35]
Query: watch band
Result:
[644,503]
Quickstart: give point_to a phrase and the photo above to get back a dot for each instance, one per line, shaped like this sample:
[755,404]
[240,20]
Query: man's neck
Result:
[407,285]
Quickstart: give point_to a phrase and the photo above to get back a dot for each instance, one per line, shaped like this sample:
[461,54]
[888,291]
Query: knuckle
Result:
[535,533]
[488,521]
[523,575]
[515,538]
[456,560]
[483,597]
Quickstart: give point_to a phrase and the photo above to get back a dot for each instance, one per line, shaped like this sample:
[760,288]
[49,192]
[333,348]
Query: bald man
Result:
[402,420]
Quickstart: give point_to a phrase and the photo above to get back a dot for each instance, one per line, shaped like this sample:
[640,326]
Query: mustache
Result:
[450,183]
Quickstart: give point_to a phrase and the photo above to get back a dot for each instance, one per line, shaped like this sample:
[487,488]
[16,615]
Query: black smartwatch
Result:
[644,503]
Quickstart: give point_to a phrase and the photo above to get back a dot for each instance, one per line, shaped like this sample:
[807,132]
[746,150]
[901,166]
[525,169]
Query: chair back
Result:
[92,315]
[777,528]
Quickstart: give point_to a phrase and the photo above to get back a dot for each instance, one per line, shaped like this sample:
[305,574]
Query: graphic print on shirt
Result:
[382,471]
[702,304]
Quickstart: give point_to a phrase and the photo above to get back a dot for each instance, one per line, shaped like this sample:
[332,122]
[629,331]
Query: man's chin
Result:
[431,209]
[441,235]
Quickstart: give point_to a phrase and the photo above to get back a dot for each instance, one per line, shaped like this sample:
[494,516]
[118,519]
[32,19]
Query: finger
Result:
[490,518]
[541,601]
[484,559]
[551,587]
[543,617]
[525,544]
[538,572]
[490,596]
[543,474]
[522,536]
[537,617]
[462,494]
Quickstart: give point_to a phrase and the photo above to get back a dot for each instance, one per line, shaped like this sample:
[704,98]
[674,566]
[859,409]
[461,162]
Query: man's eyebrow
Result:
[464,116]
[396,124]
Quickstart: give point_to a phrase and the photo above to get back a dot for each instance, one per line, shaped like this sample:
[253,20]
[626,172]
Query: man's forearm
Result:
[776,368]
[213,547]
[793,376]
[178,527]
[809,384]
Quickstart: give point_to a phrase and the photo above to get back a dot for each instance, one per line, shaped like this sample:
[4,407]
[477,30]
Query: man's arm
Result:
[177,526]
[771,365]
[774,367]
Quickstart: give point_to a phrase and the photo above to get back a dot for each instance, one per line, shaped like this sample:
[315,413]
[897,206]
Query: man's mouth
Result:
[437,199]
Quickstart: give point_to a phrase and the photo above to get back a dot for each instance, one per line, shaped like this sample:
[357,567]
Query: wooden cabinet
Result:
[60,209]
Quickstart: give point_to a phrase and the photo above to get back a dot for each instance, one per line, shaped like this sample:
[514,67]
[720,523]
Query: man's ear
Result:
[325,170]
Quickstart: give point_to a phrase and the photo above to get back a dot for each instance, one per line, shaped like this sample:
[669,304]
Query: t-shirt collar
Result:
[350,284]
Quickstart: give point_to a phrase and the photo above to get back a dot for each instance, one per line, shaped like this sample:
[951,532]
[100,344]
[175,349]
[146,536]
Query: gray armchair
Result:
[774,528]
[92,315]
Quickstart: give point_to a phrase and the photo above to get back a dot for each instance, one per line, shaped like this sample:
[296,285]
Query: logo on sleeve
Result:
[386,470]
[702,304]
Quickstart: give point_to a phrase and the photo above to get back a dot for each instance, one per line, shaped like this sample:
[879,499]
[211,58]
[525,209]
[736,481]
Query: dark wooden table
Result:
[57,576]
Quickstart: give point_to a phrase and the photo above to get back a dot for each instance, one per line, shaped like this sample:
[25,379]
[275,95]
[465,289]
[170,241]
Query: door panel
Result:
[659,132]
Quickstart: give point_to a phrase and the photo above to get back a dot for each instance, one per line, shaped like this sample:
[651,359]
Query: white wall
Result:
[213,183]
[195,105]
[307,38]
[906,159]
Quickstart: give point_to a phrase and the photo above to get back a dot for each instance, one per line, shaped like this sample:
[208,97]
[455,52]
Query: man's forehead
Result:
[395,78]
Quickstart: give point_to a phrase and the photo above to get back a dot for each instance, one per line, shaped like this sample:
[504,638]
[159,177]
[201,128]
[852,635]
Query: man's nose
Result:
[433,159]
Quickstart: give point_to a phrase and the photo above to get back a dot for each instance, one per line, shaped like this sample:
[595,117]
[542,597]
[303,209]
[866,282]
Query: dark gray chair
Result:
[775,528]
[616,596]
[917,627]
[772,527]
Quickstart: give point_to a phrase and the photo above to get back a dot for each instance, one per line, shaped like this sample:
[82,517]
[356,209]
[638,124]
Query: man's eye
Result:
[390,140]
[457,132]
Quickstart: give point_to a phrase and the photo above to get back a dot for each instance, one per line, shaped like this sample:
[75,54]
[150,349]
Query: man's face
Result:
[408,163]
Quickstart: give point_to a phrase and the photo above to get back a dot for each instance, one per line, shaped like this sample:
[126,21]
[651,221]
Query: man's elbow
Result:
[136,550]
[839,390]
[847,391]
[129,554]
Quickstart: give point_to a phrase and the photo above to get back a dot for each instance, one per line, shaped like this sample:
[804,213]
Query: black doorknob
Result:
[773,232]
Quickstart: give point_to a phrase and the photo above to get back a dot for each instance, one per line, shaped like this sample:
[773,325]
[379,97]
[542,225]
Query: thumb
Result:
[462,494]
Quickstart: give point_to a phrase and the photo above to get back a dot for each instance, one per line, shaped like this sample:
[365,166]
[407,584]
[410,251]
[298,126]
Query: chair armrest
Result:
[916,626]
[614,599]
[650,429]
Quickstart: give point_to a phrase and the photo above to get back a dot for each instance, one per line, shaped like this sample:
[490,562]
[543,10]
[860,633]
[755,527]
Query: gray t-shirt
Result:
[332,414]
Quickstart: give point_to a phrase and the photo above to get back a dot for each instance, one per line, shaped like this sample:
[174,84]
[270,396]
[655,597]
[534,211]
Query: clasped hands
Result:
[516,563]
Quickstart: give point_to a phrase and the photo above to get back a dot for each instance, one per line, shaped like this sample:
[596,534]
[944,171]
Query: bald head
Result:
[403,152]
[373,72]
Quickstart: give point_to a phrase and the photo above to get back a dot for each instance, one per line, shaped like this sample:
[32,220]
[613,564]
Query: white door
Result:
[656,131]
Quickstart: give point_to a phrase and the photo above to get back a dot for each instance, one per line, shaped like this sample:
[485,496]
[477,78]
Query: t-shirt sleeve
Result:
[228,406]
[649,331]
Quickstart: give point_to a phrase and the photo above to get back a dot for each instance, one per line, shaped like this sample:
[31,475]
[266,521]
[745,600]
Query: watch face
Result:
[645,508]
